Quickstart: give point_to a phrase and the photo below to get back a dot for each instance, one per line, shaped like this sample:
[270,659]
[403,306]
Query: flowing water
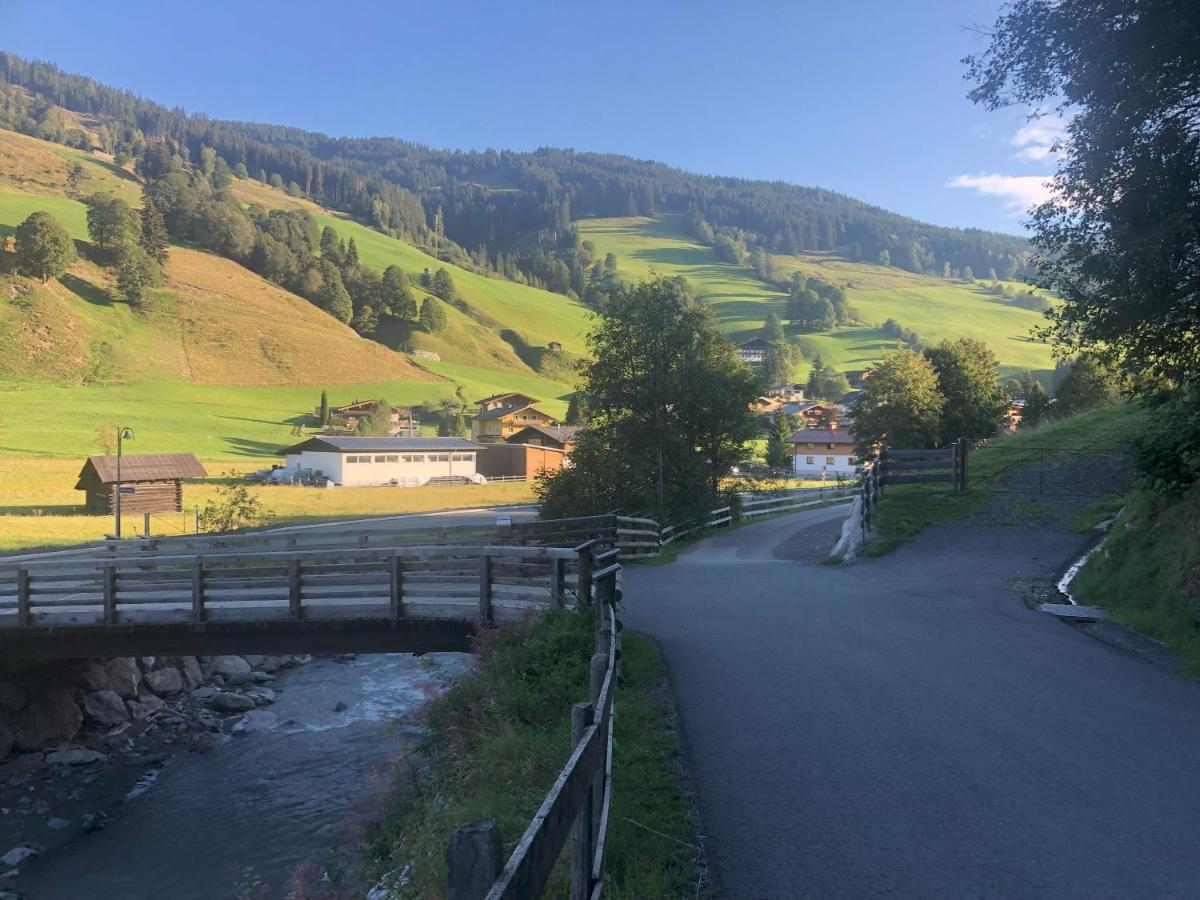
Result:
[265,801]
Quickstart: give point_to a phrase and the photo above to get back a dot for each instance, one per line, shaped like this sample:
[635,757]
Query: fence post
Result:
[198,614]
[295,593]
[474,859]
[23,612]
[108,594]
[966,450]
[582,834]
[397,572]
[557,576]
[585,573]
[485,590]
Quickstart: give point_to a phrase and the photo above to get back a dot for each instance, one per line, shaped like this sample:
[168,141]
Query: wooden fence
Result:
[946,465]
[578,804]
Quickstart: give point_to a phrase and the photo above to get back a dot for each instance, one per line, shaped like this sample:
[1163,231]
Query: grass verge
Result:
[905,510]
[499,738]
[1148,574]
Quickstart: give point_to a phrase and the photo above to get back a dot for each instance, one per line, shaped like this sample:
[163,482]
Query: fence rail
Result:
[578,803]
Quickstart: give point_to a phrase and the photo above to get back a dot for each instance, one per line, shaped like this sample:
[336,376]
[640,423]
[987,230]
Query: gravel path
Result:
[908,726]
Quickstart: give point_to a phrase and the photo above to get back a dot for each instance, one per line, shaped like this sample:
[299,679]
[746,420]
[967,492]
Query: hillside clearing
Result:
[935,308]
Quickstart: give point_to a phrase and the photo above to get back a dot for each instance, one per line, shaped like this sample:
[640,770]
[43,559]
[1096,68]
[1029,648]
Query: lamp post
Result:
[123,434]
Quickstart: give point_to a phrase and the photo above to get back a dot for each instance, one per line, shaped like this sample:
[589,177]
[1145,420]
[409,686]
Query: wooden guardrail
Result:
[578,803]
[488,583]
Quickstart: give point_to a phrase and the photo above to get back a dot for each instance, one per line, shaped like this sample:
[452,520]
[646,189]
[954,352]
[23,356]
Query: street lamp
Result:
[123,434]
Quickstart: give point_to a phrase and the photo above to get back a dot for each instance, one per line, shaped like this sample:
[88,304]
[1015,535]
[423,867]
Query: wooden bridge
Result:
[408,598]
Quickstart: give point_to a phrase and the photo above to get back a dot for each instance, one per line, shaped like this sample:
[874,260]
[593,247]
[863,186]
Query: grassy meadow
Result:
[39,506]
[935,308]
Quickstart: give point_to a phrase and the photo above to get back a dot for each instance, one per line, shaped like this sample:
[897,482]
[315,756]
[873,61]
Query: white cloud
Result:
[1019,191]
[1039,137]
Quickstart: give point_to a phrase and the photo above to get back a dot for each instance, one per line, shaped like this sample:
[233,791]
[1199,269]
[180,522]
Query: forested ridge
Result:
[508,211]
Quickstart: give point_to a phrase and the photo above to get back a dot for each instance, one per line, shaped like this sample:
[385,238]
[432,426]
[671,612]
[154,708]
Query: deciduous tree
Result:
[900,406]
[44,249]
[976,403]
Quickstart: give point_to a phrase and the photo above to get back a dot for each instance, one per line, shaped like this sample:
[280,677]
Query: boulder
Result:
[124,676]
[230,702]
[74,756]
[164,681]
[233,669]
[254,661]
[13,697]
[203,693]
[147,662]
[94,677]
[261,695]
[50,718]
[105,708]
[18,855]
[192,674]
[255,721]
[271,664]
[146,704]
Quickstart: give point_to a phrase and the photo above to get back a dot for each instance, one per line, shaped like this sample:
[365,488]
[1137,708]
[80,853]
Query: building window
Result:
[439,457]
[381,458]
[829,460]
[392,457]
[811,446]
[808,460]
[414,457]
[461,457]
[850,461]
[351,459]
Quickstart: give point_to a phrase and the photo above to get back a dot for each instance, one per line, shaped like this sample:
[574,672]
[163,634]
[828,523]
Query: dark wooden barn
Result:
[153,482]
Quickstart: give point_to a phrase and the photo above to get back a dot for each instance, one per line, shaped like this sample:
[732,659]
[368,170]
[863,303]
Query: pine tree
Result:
[778,454]
[351,254]
[137,272]
[433,317]
[324,413]
[442,285]
[154,231]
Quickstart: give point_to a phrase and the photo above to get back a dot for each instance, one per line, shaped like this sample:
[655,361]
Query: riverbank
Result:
[498,739]
[204,801]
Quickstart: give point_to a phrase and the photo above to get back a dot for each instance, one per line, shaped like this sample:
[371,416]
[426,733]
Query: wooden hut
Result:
[153,482]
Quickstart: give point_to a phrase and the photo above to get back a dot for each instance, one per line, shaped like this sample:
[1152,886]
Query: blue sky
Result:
[866,98]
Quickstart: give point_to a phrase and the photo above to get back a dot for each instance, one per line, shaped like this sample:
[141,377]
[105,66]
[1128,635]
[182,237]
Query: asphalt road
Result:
[908,727]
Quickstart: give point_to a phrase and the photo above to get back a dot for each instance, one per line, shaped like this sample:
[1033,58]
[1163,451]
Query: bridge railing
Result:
[579,802]
[491,584]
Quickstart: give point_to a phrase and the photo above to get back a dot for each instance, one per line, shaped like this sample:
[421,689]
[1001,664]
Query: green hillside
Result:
[224,362]
[935,308]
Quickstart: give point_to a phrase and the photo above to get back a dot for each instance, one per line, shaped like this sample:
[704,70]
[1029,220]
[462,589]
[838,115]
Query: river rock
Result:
[124,676]
[254,661]
[52,717]
[147,662]
[93,822]
[94,677]
[105,708]
[13,697]
[233,669]
[271,664]
[192,674]
[261,695]
[74,756]
[57,823]
[20,854]
[227,701]
[164,681]
[144,705]
[254,721]
[204,693]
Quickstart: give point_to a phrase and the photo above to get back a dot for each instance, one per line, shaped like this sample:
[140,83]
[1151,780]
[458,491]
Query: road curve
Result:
[908,727]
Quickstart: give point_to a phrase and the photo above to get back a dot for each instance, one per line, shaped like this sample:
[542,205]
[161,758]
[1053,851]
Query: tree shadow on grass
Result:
[34,510]
[244,447]
[88,291]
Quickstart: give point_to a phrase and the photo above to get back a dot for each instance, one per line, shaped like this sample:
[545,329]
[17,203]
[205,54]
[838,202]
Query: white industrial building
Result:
[361,461]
